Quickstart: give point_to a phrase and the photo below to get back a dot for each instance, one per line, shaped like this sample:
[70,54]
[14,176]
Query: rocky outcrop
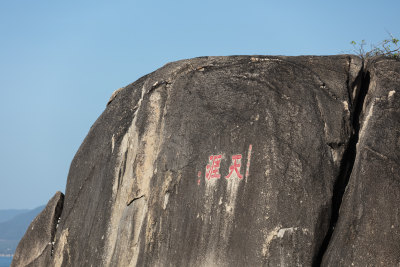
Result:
[36,247]
[238,161]
[368,232]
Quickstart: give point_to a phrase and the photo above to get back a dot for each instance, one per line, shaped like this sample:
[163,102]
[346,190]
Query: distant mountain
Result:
[12,230]
[6,215]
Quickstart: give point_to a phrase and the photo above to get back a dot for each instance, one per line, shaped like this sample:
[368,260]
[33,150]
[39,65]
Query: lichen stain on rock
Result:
[346,106]
[391,94]
[138,224]
[122,186]
[232,187]
[298,112]
[151,141]
[62,249]
[268,239]
[209,217]
[278,233]
[112,143]
[366,120]
[140,158]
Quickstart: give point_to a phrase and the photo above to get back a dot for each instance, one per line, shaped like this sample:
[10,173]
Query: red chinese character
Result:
[212,170]
[198,178]
[236,162]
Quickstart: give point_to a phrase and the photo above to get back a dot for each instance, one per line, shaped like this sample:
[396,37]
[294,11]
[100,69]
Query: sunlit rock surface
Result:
[238,161]
[36,247]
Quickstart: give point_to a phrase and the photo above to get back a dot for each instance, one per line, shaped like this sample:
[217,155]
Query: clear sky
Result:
[61,60]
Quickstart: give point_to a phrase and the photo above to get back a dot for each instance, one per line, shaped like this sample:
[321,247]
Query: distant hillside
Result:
[6,215]
[12,230]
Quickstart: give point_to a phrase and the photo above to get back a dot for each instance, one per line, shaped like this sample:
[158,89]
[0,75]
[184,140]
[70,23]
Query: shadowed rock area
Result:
[368,232]
[237,161]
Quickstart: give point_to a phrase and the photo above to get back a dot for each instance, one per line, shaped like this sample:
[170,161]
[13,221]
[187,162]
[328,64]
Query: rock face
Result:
[36,247]
[237,161]
[368,232]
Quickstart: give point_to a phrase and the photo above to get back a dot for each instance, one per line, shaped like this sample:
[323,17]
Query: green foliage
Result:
[388,48]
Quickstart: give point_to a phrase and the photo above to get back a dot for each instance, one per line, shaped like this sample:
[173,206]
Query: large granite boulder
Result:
[368,229]
[36,246]
[238,161]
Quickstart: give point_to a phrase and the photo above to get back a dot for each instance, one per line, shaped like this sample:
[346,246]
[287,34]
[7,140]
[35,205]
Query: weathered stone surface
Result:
[368,233]
[35,248]
[138,192]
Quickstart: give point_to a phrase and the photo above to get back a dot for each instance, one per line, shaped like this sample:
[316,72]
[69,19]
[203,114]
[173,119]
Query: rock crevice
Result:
[359,89]
[366,231]
[37,246]
[238,161]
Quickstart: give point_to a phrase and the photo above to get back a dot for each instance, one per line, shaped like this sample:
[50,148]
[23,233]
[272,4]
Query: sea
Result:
[5,261]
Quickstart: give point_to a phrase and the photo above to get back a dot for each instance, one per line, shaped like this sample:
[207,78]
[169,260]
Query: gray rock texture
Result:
[368,229]
[239,161]
[35,247]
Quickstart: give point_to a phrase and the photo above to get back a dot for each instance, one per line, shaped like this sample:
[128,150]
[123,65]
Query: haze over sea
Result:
[5,261]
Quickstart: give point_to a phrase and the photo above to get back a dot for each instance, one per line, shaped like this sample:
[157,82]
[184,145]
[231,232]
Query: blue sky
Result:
[61,60]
